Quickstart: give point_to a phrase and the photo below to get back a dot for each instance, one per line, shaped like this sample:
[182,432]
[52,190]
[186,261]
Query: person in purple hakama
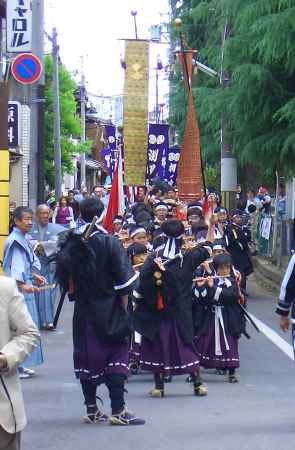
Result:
[99,277]
[219,321]
[163,315]
[137,253]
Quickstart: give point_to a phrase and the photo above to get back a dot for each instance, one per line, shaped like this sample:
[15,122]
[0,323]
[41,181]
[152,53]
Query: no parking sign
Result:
[26,68]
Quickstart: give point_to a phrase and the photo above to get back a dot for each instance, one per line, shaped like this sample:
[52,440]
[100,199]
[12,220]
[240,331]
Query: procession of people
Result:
[164,292]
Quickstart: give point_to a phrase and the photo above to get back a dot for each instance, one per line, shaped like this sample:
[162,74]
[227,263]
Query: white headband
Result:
[161,207]
[218,247]
[195,207]
[137,231]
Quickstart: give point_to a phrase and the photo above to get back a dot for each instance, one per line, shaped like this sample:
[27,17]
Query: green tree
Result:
[259,56]
[70,122]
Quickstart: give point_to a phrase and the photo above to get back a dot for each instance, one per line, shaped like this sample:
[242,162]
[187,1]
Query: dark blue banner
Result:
[158,149]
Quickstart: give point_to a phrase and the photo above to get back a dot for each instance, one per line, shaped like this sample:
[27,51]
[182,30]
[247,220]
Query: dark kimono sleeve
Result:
[202,293]
[200,254]
[236,236]
[225,295]
[123,273]
[287,293]
[146,290]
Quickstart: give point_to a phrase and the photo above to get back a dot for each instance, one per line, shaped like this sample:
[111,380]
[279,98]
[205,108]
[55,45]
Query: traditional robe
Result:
[19,263]
[48,236]
[237,239]
[287,296]
[219,322]
[101,325]
[164,314]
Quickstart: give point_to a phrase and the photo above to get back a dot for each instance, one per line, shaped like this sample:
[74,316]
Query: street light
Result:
[134,14]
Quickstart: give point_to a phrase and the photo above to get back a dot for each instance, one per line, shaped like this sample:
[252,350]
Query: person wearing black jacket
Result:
[286,304]
[219,321]
[237,238]
[96,272]
[163,315]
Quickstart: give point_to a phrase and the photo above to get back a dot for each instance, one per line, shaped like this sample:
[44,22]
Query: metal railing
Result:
[273,237]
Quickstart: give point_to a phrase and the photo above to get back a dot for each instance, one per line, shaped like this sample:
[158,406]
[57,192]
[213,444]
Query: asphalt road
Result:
[258,413]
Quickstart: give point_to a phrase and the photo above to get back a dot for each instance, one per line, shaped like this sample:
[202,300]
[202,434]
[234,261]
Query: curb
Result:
[268,275]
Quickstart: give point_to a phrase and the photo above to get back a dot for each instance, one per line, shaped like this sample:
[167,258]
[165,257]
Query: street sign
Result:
[26,68]
[19,26]
[14,124]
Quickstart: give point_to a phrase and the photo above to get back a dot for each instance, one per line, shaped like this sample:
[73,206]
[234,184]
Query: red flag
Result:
[117,202]
[113,206]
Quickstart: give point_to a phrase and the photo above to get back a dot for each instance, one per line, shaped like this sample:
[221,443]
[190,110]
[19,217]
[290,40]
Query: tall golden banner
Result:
[136,108]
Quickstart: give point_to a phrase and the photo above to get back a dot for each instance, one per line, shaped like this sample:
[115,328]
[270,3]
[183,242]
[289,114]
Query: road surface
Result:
[258,413]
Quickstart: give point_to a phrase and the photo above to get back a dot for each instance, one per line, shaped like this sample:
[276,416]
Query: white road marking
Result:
[274,337]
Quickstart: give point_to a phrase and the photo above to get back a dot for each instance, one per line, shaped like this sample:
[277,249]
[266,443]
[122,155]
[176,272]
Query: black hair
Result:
[221,260]
[118,217]
[173,228]
[136,249]
[140,207]
[158,241]
[127,226]
[200,226]
[194,211]
[71,192]
[143,218]
[237,212]
[242,204]
[19,212]
[91,207]
[76,263]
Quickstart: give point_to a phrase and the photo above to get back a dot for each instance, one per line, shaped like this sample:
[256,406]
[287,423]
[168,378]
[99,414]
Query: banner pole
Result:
[4,167]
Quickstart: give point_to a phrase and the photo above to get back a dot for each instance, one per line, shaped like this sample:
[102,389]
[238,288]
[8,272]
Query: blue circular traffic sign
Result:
[26,68]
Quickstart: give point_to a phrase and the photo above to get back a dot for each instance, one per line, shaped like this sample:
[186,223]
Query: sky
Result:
[93,28]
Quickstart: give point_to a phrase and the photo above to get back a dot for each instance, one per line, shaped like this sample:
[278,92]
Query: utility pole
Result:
[157,96]
[56,108]
[83,129]
[36,162]
[228,160]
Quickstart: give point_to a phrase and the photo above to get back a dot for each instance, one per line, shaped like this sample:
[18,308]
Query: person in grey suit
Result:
[19,336]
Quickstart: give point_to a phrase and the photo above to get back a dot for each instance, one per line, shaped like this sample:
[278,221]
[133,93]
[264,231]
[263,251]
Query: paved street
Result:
[258,413]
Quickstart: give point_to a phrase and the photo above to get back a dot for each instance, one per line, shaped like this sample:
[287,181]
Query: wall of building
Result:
[19,170]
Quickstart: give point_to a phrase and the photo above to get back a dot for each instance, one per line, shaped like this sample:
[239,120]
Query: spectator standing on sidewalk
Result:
[74,204]
[63,214]
[21,263]
[18,338]
[44,238]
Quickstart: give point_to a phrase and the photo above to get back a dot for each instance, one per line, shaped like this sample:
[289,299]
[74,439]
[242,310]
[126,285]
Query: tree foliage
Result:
[70,122]
[259,59]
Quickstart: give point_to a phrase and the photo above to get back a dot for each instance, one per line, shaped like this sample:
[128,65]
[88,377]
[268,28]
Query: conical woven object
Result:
[189,178]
